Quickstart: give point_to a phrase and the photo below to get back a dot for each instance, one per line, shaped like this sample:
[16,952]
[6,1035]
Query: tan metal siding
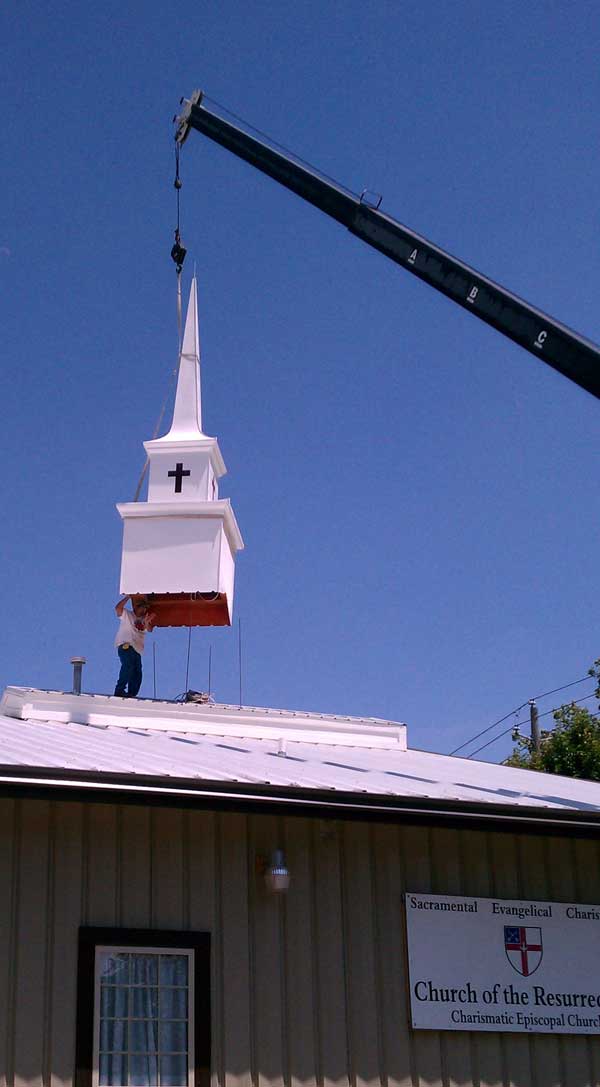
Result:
[358,929]
[135,897]
[237,1050]
[309,988]
[66,892]
[33,942]
[9,881]
[398,1056]
[586,865]
[302,998]
[330,959]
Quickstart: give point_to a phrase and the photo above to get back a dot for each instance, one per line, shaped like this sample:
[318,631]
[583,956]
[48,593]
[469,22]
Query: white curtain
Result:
[143,1037]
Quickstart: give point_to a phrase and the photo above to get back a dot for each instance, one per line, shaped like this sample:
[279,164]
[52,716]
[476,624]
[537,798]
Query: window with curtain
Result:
[143,1009]
[144,1002]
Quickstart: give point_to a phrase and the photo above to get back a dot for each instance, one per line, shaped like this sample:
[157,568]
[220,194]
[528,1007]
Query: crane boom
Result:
[566,351]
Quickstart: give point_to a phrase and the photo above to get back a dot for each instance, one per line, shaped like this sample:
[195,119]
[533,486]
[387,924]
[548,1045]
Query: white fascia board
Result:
[220,509]
[191,445]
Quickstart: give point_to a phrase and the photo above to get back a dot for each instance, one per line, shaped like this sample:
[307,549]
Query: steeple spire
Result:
[187,413]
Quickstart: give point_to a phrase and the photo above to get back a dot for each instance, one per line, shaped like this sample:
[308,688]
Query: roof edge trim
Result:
[125,788]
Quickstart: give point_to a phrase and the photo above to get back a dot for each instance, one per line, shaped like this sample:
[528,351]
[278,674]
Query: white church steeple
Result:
[197,464]
[179,545]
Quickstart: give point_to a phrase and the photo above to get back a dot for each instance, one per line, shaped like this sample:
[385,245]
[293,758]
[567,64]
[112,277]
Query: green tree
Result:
[571,748]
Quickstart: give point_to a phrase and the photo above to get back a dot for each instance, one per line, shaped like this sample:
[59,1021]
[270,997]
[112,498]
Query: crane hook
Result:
[178,250]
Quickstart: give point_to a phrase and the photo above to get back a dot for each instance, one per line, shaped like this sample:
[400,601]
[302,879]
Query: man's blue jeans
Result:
[130,676]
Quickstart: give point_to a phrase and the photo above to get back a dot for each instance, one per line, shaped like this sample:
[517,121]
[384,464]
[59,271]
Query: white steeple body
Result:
[182,541]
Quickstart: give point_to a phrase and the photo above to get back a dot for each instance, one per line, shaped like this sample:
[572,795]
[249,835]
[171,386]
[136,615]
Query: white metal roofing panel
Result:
[111,749]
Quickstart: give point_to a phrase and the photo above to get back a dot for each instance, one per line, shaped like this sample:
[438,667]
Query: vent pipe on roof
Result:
[78,663]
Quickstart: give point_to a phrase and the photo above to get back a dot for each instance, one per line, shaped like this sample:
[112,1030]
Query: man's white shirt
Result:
[128,634]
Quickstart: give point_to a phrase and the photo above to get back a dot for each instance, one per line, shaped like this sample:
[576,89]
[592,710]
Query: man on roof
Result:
[129,642]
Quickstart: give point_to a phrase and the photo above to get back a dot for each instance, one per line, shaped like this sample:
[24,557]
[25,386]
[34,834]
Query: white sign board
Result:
[492,964]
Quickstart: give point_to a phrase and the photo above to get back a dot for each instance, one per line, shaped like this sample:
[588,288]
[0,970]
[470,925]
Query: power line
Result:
[564,687]
[575,702]
[546,714]
[484,730]
[492,741]
[536,698]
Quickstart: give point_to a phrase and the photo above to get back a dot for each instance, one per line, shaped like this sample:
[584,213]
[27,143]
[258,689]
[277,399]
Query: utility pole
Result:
[535,728]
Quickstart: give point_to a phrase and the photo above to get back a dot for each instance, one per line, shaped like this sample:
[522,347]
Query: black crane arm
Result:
[566,351]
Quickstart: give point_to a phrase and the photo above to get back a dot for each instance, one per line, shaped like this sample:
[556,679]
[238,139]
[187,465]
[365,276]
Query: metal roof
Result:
[98,737]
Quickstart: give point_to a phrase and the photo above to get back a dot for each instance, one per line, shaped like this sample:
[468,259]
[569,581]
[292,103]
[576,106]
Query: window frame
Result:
[153,941]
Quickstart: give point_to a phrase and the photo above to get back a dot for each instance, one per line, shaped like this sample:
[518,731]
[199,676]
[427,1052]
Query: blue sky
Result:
[418,496]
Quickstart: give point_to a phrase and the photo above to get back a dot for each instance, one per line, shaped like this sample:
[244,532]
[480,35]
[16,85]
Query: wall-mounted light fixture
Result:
[275,872]
[277,876]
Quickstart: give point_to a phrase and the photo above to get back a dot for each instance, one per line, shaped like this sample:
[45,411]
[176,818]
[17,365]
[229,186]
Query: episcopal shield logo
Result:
[523,948]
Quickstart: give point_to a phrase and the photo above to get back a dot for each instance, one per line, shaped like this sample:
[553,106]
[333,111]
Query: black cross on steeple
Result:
[178,475]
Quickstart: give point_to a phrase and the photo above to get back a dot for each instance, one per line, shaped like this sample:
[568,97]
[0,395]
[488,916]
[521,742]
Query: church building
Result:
[238,896]
[198,894]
